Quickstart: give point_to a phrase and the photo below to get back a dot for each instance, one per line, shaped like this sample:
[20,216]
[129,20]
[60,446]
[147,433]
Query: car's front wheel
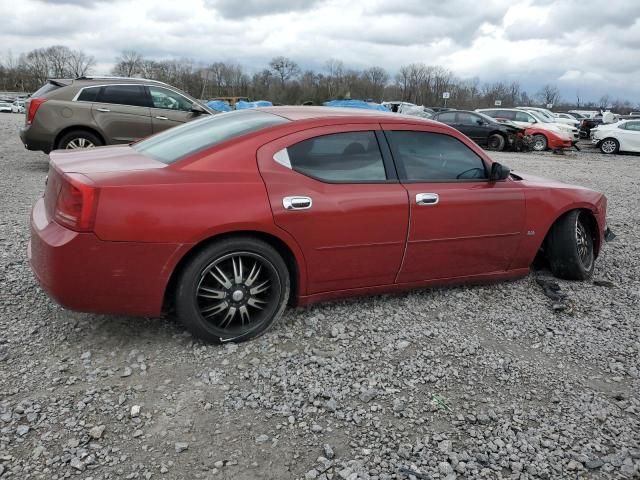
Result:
[496,142]
[609,145]
[232,290]
[79,139]
[570,247]
[539,142]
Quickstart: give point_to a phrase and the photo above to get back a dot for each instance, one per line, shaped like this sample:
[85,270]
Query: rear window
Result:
[89,94]
[178,142]
[46,88]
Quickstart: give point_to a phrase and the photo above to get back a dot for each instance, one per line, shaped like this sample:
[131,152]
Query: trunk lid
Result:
[120,158]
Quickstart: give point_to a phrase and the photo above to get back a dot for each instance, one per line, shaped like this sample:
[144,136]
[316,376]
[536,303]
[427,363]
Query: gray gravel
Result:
[472,382]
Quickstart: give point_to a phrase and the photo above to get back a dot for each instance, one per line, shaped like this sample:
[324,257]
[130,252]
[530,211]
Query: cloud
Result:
[234,9]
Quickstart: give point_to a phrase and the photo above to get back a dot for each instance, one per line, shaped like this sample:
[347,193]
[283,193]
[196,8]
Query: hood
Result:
[118,158]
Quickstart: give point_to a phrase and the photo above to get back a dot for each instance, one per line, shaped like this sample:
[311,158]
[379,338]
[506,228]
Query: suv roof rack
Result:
[115,77]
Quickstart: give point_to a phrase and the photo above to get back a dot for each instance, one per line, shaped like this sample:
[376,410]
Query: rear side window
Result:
[134,95]
[89,94]
[178,142]
[427,157]
[46,88]
[340,157]
[635,126]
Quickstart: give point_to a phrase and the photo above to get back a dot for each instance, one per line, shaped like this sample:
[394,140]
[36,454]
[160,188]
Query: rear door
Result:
[460,223]
[337,194]
[168,108]
[631,136]
[122,113]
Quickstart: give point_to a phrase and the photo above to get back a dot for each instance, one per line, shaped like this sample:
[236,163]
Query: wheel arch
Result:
[291,258]
[592,224]
[64,131]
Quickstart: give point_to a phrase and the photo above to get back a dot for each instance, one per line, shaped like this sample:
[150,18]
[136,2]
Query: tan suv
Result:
[92,111]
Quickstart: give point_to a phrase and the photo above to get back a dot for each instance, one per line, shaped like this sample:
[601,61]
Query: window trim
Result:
[387,160]
[144,85]
[402,175]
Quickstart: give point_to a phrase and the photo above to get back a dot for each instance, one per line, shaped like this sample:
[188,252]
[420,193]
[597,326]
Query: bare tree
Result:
[128,63]
[549,94]
[284,68]
[79,64]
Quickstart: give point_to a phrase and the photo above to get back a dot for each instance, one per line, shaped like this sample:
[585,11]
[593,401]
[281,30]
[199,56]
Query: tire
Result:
[79,139]
[496,142]
[539,142]
[609,146]
[570,247]
[216,299]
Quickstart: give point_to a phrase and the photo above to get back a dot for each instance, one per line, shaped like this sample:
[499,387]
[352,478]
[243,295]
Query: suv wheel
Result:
[79,139]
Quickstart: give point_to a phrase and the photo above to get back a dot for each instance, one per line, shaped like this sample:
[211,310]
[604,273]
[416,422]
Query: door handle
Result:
[162,118]
[297,203]
[103,109]
[427,198]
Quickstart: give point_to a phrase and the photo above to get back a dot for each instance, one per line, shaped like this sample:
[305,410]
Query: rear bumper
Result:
[32,141]
[81,272]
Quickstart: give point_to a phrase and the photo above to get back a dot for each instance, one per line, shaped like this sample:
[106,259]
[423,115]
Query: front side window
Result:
[133,95]
[339,157]
[166,99]
[178,142]
[433,157]
[524,117]
[449,117]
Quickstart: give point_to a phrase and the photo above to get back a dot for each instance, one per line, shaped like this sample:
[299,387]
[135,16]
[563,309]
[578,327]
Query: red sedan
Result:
[227,219]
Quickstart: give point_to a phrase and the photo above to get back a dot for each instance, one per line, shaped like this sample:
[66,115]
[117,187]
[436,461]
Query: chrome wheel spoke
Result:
[237,269]
[212,293]
[244,314]
[220,277]
[256,303]
[228,317]
[253,274]
[258,289]
[214,310]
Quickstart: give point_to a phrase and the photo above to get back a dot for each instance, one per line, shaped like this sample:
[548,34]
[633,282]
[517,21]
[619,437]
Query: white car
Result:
[572,130]
[623,136]
[18,106]
[524,118]
[549,115]
[5,107]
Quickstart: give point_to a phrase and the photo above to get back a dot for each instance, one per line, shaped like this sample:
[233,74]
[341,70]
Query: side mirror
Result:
[480,122]
[197,109]
[499,172]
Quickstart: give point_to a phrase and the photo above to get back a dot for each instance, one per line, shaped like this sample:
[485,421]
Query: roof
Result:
[355,114]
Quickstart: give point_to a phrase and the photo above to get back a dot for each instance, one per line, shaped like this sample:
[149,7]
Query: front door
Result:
[168,108]
[122,113]
[335,193]
[473,126]
[461,224]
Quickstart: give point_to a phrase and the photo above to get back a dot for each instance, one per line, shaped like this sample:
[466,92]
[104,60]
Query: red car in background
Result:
[227,219]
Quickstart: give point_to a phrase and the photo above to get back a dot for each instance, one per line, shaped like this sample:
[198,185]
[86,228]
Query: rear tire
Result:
[232,290]
[539,142]
[496,142]
[609,146]
[570,247]
[78,139]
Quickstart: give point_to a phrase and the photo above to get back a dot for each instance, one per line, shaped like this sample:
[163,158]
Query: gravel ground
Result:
[470,382]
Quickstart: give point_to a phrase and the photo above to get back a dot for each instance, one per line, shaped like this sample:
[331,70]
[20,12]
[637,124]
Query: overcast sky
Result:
[590,46]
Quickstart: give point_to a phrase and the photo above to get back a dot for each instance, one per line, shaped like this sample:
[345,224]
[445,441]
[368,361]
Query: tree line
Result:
[284,81]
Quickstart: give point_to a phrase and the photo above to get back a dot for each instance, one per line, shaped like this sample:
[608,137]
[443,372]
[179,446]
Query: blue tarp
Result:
[219,105]
[356,104]
[242,105]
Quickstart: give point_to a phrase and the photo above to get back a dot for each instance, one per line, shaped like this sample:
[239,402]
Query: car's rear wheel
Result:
[79,139]
[232,290]
[539,142]
[570,247]
[496,142]
[609,146]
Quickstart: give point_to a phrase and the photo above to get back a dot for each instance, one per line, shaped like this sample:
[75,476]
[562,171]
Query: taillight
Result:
[34,105]
[76,204]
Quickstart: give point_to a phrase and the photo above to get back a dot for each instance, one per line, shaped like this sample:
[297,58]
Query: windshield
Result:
[538,116]
[178,142]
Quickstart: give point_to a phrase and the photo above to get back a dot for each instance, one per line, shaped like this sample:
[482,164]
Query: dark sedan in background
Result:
[480,128]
